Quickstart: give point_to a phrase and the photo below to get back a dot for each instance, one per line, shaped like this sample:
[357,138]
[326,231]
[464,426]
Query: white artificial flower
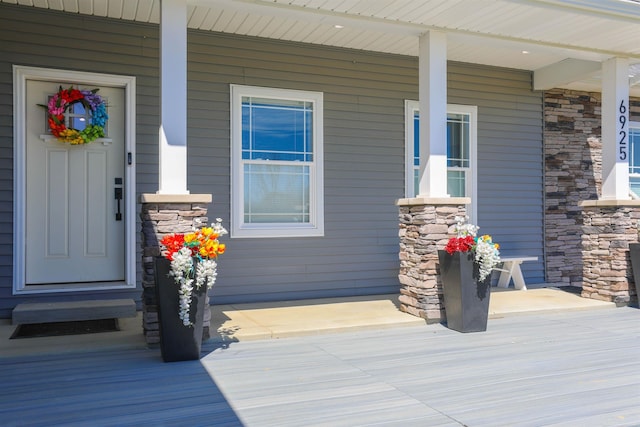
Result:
[206,272]
[486,252]
[182,271]
[487,256]
[464,229]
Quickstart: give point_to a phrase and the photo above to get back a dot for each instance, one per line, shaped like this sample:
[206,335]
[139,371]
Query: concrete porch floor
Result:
[259,321]
[241,322]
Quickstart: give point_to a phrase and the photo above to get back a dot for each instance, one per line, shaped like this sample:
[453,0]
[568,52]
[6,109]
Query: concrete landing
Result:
[68,311]
[239,322]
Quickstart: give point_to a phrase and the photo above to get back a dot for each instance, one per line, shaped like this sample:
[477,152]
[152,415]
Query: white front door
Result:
[74,235]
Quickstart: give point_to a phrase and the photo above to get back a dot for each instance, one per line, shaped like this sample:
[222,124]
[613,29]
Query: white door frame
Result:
[21,75]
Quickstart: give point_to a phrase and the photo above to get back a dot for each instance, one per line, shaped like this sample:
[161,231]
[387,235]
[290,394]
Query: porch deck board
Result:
[543,369]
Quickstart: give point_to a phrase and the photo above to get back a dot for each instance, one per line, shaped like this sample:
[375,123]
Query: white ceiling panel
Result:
[492,32]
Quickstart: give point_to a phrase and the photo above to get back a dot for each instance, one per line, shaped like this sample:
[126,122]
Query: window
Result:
[277,183]
[76,117]
[634,158]
[461,151]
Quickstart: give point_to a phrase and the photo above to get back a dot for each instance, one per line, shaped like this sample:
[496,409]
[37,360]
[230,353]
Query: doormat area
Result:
[54,329]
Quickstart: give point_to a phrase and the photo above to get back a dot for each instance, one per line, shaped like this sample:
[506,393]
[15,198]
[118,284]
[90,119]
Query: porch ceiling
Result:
[521,34]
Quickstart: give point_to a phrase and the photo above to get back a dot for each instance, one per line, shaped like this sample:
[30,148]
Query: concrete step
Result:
[68,311]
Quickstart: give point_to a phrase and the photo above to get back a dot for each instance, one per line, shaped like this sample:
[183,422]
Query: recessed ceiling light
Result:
[338,26]
[525,52]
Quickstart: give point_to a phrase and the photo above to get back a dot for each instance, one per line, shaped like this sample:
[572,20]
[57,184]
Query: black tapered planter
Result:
[634,254]
[466,299]
[177,341]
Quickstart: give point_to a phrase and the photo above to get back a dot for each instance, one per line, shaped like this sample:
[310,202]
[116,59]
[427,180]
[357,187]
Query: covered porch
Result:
[431,32]
[426,40]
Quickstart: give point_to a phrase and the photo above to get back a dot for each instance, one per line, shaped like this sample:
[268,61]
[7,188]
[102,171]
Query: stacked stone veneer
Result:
[573,174]
[573,171]
[161,215]
[424,228]
[607,232]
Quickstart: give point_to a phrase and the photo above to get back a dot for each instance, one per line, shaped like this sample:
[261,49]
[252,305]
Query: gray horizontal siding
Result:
[364,154]
[364,158]
[364,96]
[510,159]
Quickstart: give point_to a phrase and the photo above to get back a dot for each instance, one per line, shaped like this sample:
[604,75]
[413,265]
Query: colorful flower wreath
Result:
[60,103]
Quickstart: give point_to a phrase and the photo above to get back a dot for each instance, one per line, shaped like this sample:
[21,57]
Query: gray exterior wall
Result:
[510,159]
[40,38]
[364,96]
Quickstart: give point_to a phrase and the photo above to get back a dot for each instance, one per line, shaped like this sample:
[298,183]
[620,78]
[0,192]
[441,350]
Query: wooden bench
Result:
[511,270]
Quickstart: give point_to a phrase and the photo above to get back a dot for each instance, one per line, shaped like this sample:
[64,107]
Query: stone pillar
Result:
[573,173]
[163,214]
[426,224]
[608,228]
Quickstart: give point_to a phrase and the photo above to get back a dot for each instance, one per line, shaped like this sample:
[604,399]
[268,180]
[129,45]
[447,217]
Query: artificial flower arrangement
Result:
[60,103]
[486,253]
[181,249]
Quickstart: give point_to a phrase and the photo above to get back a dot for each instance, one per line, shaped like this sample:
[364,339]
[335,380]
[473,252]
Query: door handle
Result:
[118,197]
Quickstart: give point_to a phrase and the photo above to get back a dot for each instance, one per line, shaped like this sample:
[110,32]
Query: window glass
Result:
[276,162]
[78,116]
[276,194]
[277,129]
[458,151]
[634,150]
[456,183]
[461,146]
[634,158]
[458,140]
[416,139]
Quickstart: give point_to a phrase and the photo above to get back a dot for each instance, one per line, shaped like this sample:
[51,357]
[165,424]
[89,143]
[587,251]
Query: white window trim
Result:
[316,192]
[410,107]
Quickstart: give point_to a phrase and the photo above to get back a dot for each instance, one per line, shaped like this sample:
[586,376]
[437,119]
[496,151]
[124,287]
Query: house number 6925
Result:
[622,133]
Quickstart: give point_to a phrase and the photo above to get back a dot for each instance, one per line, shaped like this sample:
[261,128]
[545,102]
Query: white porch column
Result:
[173,97]
[615,129]
[433,114]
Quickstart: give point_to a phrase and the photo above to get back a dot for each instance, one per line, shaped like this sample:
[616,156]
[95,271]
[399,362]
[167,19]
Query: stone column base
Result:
[163,214]
[608,228]
[425,226]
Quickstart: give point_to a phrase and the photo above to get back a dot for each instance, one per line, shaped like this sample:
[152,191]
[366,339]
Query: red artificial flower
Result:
[56,124]
[173,243]
[70,95]
[459,244]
